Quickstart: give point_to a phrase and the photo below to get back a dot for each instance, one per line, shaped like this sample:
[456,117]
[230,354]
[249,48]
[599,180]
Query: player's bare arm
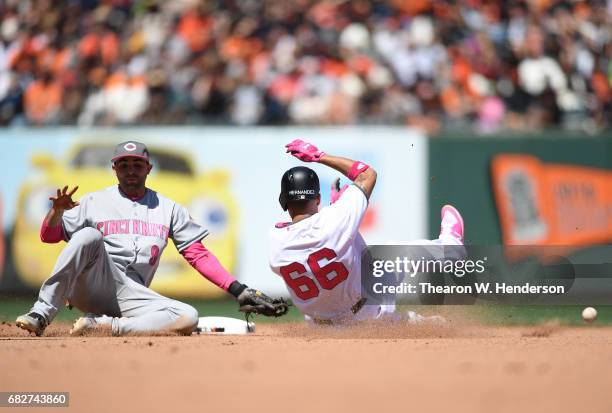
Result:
[365,180]
[361,174]
[61,202]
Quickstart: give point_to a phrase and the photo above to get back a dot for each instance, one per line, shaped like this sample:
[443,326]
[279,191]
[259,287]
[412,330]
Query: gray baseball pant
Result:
[86,276]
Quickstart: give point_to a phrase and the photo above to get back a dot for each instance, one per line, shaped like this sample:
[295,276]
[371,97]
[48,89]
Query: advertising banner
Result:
[551,204]
[228,178]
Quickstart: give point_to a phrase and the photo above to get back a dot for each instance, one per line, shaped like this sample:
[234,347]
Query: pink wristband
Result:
[357,168]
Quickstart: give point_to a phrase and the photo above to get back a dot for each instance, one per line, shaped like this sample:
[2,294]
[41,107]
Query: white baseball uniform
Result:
[320,256]
[113,251]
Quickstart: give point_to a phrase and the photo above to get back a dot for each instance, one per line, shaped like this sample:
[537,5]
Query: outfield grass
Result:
[536,314]
[11,307]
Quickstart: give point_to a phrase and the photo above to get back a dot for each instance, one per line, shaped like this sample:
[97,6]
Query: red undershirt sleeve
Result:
[51,235]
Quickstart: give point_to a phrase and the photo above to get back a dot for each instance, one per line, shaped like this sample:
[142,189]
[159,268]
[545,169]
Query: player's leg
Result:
[143,310]
[451,227]
[451,235]
[82,274]
[448,246]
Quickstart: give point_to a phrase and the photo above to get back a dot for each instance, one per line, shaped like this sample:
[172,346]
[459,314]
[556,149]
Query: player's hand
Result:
[254,301]
[304,151]
[63,201]
[336,191]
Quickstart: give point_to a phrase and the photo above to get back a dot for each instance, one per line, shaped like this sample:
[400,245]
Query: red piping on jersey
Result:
[208,265]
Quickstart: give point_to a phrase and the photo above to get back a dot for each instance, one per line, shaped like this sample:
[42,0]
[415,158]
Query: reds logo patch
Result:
[130,146]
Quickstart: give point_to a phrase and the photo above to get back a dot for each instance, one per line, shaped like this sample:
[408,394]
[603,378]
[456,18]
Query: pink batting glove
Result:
[336,191]
[304,151]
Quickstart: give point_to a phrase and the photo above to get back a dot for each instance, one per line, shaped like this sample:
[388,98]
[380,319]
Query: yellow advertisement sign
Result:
[87,166]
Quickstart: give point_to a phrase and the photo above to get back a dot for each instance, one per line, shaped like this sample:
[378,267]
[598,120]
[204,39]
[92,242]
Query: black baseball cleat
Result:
[32,322]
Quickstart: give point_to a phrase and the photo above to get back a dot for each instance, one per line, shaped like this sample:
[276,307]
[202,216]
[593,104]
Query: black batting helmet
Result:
[298,184]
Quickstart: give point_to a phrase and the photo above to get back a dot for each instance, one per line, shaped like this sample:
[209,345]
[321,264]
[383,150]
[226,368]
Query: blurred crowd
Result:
[440,65]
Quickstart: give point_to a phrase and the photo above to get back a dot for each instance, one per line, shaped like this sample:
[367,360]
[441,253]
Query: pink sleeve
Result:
[208,265]
[51,235]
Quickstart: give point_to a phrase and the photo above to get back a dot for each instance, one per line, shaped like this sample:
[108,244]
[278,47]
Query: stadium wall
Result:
[232,189]
[460,173]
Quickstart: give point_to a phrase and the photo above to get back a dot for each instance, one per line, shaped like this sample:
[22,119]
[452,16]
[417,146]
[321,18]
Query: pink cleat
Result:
[452,223]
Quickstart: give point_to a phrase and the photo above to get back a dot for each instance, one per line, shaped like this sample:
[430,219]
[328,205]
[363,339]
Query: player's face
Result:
[132,172]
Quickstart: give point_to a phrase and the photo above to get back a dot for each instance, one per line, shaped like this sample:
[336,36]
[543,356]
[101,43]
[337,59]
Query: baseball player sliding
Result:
[318,253]
[115,238]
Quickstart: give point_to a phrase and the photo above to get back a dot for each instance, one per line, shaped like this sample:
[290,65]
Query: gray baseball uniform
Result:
[113,251]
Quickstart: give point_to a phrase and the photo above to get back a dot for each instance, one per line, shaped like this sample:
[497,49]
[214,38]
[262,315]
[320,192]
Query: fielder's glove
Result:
[252,301]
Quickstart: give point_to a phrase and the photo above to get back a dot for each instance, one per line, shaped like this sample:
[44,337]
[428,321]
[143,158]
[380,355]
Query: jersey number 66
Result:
[328,275]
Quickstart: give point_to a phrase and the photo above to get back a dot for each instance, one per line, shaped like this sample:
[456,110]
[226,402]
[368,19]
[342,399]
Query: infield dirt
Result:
[293,367]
